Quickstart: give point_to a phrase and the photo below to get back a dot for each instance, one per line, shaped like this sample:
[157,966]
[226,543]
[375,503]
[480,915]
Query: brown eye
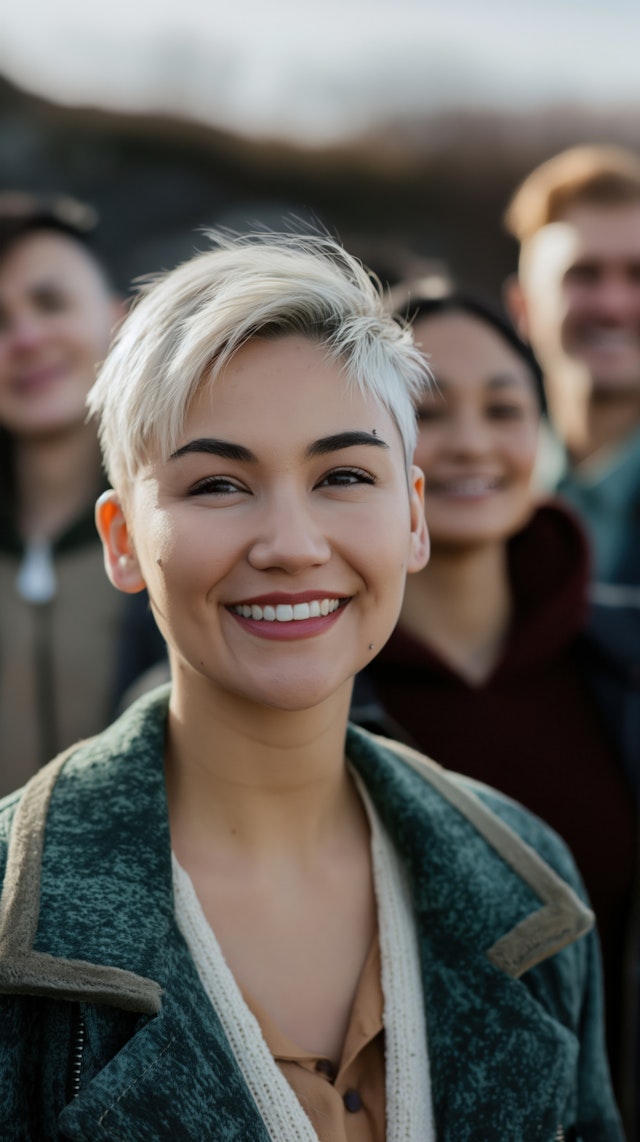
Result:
[51,300]
[504,411]
[584,273]
[346,478]
[429,412]
[216,486]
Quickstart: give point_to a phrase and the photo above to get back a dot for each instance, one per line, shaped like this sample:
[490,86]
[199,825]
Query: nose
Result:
[25,333]
[469,434]
[618,298]
[291,537]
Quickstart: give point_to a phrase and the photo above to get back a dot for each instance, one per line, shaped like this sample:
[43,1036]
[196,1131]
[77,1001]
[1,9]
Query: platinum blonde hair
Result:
[186,325]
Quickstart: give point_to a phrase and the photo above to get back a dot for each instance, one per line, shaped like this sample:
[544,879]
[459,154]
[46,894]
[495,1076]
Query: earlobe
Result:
[420,547]
[120,559]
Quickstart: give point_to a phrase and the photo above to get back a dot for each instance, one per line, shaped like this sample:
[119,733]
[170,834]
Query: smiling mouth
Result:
[466,486]
[288,612]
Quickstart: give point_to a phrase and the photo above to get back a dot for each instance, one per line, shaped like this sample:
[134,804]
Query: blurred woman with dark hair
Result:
[496,668]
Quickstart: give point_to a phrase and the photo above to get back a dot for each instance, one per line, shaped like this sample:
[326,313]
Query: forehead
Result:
[604,235]
[284,392]
[46,256]
[605,232]
[464,349]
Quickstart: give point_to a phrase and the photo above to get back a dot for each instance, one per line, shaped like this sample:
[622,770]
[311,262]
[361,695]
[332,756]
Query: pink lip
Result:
[38,379]
[289,632]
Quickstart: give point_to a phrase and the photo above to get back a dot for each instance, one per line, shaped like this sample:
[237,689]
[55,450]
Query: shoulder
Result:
[92,781]
[532,830]
[512,831]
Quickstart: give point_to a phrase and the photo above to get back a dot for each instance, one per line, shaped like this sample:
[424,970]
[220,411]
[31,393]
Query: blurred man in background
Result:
[576,299]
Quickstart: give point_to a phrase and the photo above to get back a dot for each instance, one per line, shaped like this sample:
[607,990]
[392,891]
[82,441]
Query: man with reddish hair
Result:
[576,299]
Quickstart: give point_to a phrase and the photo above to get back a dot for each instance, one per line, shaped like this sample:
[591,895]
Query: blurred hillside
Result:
[433,185]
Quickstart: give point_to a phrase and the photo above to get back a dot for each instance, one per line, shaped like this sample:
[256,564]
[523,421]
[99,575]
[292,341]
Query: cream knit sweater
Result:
[408,1095]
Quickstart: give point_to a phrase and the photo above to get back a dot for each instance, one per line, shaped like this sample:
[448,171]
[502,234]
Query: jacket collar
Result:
[487,908]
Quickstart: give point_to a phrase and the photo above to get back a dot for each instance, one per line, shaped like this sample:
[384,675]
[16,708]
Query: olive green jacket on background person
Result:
[106,1032]
[68,655]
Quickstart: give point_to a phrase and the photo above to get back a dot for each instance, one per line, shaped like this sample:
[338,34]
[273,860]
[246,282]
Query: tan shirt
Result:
[346,1104]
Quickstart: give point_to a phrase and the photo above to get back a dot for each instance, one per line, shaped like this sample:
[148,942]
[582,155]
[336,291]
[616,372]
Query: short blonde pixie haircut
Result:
[186,325]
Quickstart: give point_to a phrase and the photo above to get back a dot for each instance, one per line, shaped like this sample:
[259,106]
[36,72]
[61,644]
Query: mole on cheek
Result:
[159,562]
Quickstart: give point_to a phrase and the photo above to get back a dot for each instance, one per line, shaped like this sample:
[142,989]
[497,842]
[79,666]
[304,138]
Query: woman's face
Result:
[478,433]
[56,316]
[276,539]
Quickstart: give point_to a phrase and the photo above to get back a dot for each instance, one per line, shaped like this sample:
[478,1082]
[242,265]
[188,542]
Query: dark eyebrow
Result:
[341,440]
[223,448]
[505,381]
[499,381]
[229,451]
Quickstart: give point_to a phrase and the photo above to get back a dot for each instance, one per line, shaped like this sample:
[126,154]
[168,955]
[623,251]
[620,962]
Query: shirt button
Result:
[325,1067]
[352,1101]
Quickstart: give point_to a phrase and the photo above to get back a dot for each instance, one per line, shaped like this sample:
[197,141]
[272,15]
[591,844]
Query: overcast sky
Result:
[317,69]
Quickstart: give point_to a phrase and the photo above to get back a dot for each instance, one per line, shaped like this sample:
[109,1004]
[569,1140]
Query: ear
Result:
[120,559]
[420,548]
[516,304]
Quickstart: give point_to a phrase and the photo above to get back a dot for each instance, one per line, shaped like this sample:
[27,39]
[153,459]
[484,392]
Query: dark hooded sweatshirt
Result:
[532,728]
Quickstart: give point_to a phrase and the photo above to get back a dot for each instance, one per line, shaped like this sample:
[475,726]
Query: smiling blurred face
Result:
[275,541]
[581,285]
[478,434]
[56,317]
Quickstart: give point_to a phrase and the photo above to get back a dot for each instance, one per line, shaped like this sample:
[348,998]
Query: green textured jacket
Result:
[107,1034]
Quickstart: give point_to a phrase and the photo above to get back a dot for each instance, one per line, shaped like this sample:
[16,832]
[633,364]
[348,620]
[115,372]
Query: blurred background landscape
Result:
[401,126]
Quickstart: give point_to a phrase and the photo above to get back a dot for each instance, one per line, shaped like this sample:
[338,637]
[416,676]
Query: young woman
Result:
[495,669]
[61,622]
[228,916]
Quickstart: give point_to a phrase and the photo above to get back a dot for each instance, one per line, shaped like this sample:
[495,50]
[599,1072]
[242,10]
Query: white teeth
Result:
[474,486]
[611,338]
[286,612]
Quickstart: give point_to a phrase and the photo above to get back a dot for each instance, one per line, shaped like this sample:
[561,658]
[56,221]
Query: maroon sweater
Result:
[531,729]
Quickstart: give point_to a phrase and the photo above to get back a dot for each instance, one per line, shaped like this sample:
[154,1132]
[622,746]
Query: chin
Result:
[306,691]
[50,424]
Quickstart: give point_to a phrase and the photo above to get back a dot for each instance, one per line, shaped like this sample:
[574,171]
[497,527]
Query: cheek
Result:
[574,304]
[383,550]
[185,560]
[523,454]
[84,341]
[152,535]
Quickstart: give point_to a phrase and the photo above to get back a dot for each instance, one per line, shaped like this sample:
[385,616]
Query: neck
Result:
[56,477]
[254,780]
[461,607]
[589,422]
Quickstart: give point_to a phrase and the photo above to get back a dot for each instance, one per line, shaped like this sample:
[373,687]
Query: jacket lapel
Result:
[498,1060]
[176,1078]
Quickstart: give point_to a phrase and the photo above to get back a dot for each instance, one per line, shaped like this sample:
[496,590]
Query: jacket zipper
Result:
[76,1057]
